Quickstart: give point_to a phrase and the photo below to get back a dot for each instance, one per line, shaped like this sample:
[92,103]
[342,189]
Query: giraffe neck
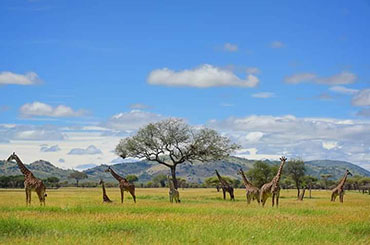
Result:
[116,176]
[21,166]
[245,180]
[343,180]
[170,184]
[278,174]
[223,182]
[103,187]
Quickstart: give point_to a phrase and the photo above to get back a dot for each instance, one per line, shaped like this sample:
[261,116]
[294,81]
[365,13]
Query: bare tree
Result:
[171,142]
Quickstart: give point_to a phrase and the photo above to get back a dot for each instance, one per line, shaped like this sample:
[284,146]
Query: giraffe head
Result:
[108,169]
[101,182]
[12,157]
[283,158]
[348,172]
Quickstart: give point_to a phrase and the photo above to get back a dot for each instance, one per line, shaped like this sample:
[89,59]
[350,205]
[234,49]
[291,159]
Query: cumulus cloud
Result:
[362,98]
[53,148]
[29,78]
[41,109]
[341,78]
[132,120]
[230,47]
[307,138]
[277,44]
[90,150]
[263,95]
[343,90]
[201,77]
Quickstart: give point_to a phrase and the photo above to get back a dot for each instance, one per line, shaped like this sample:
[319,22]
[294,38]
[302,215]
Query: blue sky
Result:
[72,72]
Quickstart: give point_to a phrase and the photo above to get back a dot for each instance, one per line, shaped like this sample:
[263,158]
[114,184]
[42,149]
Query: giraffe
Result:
[272,188]
[105,196]
[253,193]
[173,193]
[31,183]
[124,185]
[339,190]
[225,187]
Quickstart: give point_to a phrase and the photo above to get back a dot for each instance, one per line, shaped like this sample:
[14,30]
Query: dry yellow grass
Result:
[78,216]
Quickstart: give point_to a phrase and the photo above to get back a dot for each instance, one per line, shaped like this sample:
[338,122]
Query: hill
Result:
[196,172]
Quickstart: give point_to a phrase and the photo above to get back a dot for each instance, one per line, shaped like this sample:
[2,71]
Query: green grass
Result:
[78,216]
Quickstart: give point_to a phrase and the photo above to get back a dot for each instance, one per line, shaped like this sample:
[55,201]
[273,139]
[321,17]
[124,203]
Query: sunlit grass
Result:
[78,216]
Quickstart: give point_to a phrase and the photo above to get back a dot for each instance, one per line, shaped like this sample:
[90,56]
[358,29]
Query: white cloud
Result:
[90,150]
[362,98]
[341,78]
[343,90]
[298,78]
[230,47]
[29,78]
[133,120]
[139,106]
[253,70]
[277,44]
[41,109]
[254,136]
[263,95]
[328,145]
[306,138]
[53,148]
[201,77]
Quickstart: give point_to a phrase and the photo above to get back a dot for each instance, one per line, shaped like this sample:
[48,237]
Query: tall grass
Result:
[78,216]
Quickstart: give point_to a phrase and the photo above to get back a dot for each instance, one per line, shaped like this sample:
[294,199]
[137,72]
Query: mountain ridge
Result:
[196,172]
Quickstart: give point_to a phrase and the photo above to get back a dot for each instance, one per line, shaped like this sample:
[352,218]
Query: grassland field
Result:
[78,216]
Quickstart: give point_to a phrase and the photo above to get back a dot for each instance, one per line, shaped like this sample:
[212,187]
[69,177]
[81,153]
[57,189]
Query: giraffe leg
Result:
[273,199]
[121,195]
[29,197]
[223,192]
[133,195]
[277,198]
[249,198]
[40,198]
[341,195]
[26,196]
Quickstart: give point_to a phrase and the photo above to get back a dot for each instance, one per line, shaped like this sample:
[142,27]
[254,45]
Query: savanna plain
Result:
[78,216]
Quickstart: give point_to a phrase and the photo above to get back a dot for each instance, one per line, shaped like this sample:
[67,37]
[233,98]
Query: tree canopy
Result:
[296,170]
[77,176]
[171,142]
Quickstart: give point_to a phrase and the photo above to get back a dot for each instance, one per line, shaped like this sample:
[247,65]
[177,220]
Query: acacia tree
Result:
[77,176]
[172,142]
[296,170]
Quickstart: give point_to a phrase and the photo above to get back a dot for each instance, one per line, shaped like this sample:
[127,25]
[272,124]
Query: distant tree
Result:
[295,169]
[261,173]
[131,178]
[51,181]
[77,176]
[325,178]
[212,182]
[172,142]
[181,182]
[12,181]
[160,180]
[309,181]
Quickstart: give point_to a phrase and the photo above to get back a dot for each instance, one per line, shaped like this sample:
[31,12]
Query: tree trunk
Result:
[297,185]
[76,182]
[173,173]
[310,191]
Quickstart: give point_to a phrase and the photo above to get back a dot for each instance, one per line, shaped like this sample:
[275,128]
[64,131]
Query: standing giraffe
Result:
[253,193]
[31,183]
[173,193]
[272,188]
[124,185]
[225,187]
[339,190]
[105,196]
